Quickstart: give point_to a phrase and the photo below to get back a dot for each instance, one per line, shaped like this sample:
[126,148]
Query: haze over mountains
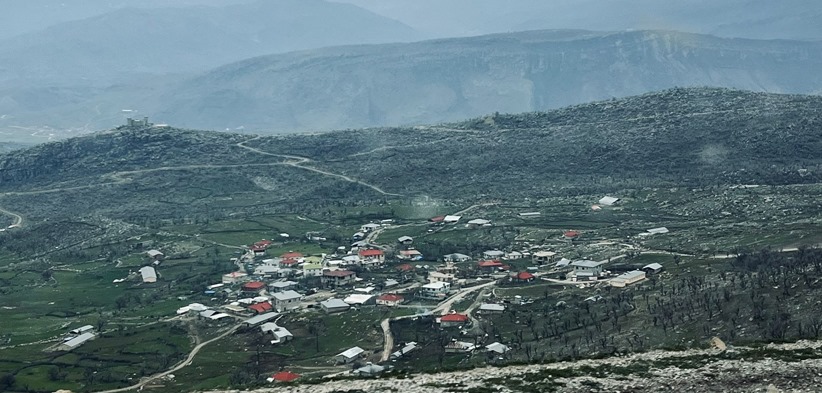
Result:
[75,68]
[790,19]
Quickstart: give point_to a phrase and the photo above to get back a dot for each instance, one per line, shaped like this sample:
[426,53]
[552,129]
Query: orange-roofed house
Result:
[524,277]
[253,287]
[292,255]
[571,235]
[489,266]
[284,376]
[337,278]
[453,320]
[371,257]
[261,308]
[390,299]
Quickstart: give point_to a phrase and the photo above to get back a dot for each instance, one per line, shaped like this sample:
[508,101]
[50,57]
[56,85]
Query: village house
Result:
[360,299]
[652,268]
[628,278]
[512,256]
[608,201]
[334,305]
[404,350]
[450,219]
[497,348]
[489,266]
[337,278]
[280,333]
[369,227]
[148,274]
[571,235]
[155,255]
[283,376]
[259,319]
[491,308]
[405,240]
[435,290]
[287,300]
[453,320]
[493,254]
[267,271]
[390,300]
[312,270]
[369,370]
[478,222]
[586,270]
[459,347]
[543,257]
[261,308]
[371,257]
[349,355]
[524,277]
[441,277]
[253,287]
[410,255]
[456,258]
[281,286]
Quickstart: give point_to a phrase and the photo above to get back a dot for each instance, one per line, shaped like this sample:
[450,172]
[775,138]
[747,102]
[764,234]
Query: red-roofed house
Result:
[453,320]
[437,219]
[571,234]
[253,287]
[258,250]
[336,278]
[289,262]
[405,267]
[390,299]
[524,277]
[489,266]
[260,308]
[284,376]
[263,243]
[371,257]
[292,255]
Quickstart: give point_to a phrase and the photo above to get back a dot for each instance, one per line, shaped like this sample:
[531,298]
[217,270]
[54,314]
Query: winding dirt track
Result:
[298,162]
[185,362]
[18,219]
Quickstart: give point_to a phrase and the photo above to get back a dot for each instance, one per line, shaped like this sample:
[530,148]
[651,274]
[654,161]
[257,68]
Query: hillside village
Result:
[454,293]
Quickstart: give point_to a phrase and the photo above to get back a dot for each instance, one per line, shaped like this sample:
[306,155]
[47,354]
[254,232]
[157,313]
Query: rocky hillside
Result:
[447,80]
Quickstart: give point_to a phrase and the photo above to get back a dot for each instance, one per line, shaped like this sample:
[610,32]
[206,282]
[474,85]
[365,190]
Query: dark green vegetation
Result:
[92,206]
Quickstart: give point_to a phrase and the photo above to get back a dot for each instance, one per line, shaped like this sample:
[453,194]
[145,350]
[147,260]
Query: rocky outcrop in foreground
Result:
[793,367]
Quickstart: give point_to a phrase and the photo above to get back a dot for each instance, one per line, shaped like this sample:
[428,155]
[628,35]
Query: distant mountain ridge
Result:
[447,80]
[134,41]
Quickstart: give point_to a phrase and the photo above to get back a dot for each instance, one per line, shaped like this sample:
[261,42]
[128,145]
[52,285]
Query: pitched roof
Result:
[291,255]
[405,267]
[370,253]
[352,352]
[390,297]
[253,286]
[287,295]
[285,376]
[571,234]
[454,318]
[489,264]
[525,276]
[338,273]
[437,219]
[261,307]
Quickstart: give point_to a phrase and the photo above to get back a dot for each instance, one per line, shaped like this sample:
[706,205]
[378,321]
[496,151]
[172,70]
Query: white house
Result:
[287,300]
[451,219]
[281,286]
[280,333]
[148,273]
[312,270]
[456,258]
[629,278]
[441,277]
[587,269]
[435,290]
[369,227]
[334,305]
[493,254]
[608,201]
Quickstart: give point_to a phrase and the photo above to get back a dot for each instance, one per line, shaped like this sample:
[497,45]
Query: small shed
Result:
[149,274]
[349,355]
